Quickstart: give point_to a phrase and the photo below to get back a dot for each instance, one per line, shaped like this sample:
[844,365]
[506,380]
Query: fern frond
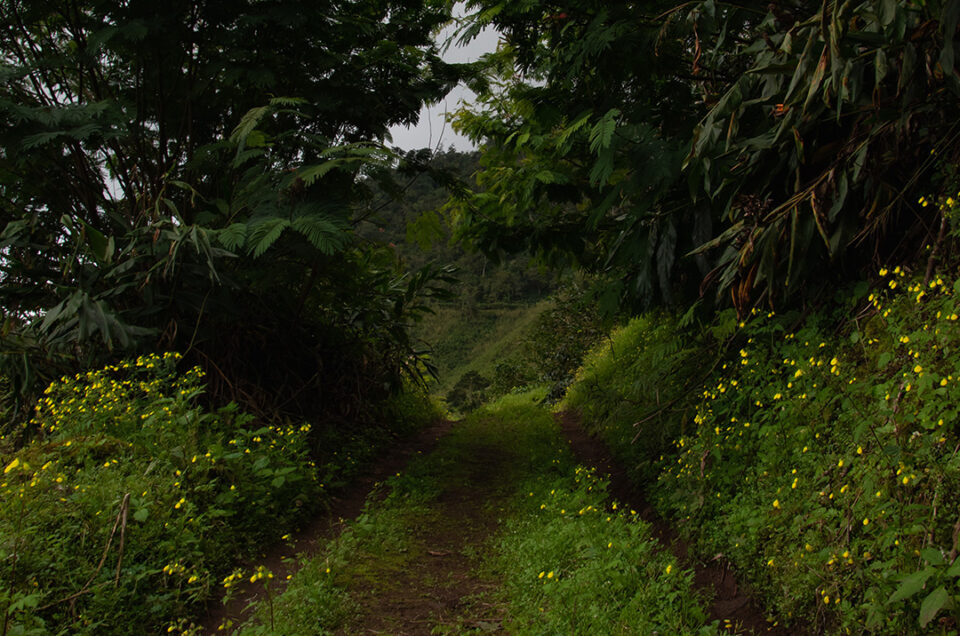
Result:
[248,124]
[322,232]
[233,236]
[265,234]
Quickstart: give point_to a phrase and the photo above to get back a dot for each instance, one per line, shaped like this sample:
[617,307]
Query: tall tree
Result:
[757,149]
[156,192]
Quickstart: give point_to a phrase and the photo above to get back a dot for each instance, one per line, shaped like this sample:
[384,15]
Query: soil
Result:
[347,504]
[441,590]
[731,602]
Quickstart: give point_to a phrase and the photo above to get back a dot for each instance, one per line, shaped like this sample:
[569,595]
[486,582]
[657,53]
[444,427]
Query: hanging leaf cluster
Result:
[748,152]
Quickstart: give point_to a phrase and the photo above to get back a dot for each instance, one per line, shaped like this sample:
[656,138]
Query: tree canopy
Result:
[755,150]
[187,176]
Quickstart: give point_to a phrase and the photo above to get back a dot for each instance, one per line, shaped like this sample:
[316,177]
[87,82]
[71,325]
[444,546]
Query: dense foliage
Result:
[819,456]
[137,501]
[760,150]
[125,515]
[156,194]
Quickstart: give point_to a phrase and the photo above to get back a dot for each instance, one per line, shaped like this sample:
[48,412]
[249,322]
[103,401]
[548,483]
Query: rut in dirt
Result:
[281,558]
[732,603]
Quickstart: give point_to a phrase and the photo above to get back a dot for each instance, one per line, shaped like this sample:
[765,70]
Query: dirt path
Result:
[731,601]
[347,504]
[439,589]
[431,584]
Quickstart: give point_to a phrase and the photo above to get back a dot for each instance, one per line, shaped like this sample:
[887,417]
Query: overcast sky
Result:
[432,131]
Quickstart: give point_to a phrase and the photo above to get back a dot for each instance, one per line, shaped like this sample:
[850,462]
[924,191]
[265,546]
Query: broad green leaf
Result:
[911,585]
[932,556]
[933,604]
[954,569]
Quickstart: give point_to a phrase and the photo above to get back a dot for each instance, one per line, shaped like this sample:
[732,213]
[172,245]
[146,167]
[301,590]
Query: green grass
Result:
[465,341]
[567,559]
[820,456]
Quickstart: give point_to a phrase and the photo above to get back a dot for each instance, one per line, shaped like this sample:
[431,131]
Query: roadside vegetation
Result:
[135,500]
[819,454]
[724,233]
[560,554]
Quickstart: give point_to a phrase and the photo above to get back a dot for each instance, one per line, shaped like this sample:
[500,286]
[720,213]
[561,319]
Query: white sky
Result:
[432,131]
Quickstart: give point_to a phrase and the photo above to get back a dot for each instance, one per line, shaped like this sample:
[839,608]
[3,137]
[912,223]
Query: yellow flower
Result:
[776,504]
[11,466]
[669,569]
[550,574]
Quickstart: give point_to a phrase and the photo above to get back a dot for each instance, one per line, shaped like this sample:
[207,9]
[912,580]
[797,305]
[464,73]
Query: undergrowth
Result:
[575,562]
[127,509]
[820,456]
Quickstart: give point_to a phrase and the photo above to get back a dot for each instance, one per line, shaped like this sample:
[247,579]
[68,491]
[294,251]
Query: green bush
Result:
[134,500]
[826,461]
[820,456]
[644,373]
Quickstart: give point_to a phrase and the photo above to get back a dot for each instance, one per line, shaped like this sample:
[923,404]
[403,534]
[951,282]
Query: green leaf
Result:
[101,246]
[954,569]
[233,236]
[265,234]
[932,556]
[141,514]
[888,12]
[933,604]
[247,125]
[602,133]
[911,585]
[321,231]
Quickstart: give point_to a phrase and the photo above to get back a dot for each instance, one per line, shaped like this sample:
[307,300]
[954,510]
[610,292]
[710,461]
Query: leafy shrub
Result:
[820,456]
[469,392]
[124,513]
[643,374]
[827,464]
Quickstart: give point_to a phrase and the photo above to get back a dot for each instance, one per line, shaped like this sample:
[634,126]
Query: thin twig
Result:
[124,509]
